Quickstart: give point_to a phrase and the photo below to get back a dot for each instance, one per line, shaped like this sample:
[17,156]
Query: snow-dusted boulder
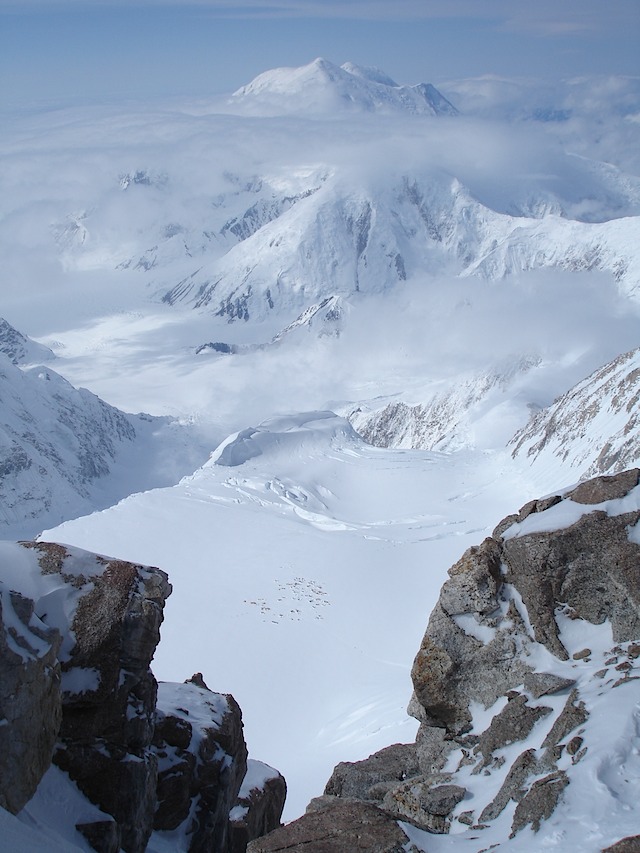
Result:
[258,806]
[369,779]
[108,614]
[345,825]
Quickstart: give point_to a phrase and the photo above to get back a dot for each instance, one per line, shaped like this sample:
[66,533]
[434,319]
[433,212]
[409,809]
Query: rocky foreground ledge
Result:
[526,686]
[77,635]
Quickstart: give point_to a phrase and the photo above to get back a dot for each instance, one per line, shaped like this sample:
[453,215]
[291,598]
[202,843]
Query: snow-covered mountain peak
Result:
[324,88]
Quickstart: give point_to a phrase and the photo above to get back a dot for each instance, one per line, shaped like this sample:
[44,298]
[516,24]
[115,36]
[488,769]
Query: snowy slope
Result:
[372,237]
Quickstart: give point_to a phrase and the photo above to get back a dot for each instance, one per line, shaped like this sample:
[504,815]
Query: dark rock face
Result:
[485,704]
[30,699]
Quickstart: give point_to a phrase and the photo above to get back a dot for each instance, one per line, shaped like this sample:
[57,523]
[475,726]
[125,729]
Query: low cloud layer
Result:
[88,193]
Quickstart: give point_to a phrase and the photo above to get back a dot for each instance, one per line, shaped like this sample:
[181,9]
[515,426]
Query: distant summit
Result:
[322,87]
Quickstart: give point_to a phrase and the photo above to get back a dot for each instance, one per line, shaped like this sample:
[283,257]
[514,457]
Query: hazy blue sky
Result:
[86,49]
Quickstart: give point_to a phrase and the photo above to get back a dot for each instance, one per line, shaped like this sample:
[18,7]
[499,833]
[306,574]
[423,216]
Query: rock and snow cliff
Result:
[55,442]
[589,430]
[458,415]
[77,634]
[526,686]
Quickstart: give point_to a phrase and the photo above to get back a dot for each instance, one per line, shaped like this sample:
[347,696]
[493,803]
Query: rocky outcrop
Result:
[533,628]
[111,627]
[631,844]
[77,635]
[370,779]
